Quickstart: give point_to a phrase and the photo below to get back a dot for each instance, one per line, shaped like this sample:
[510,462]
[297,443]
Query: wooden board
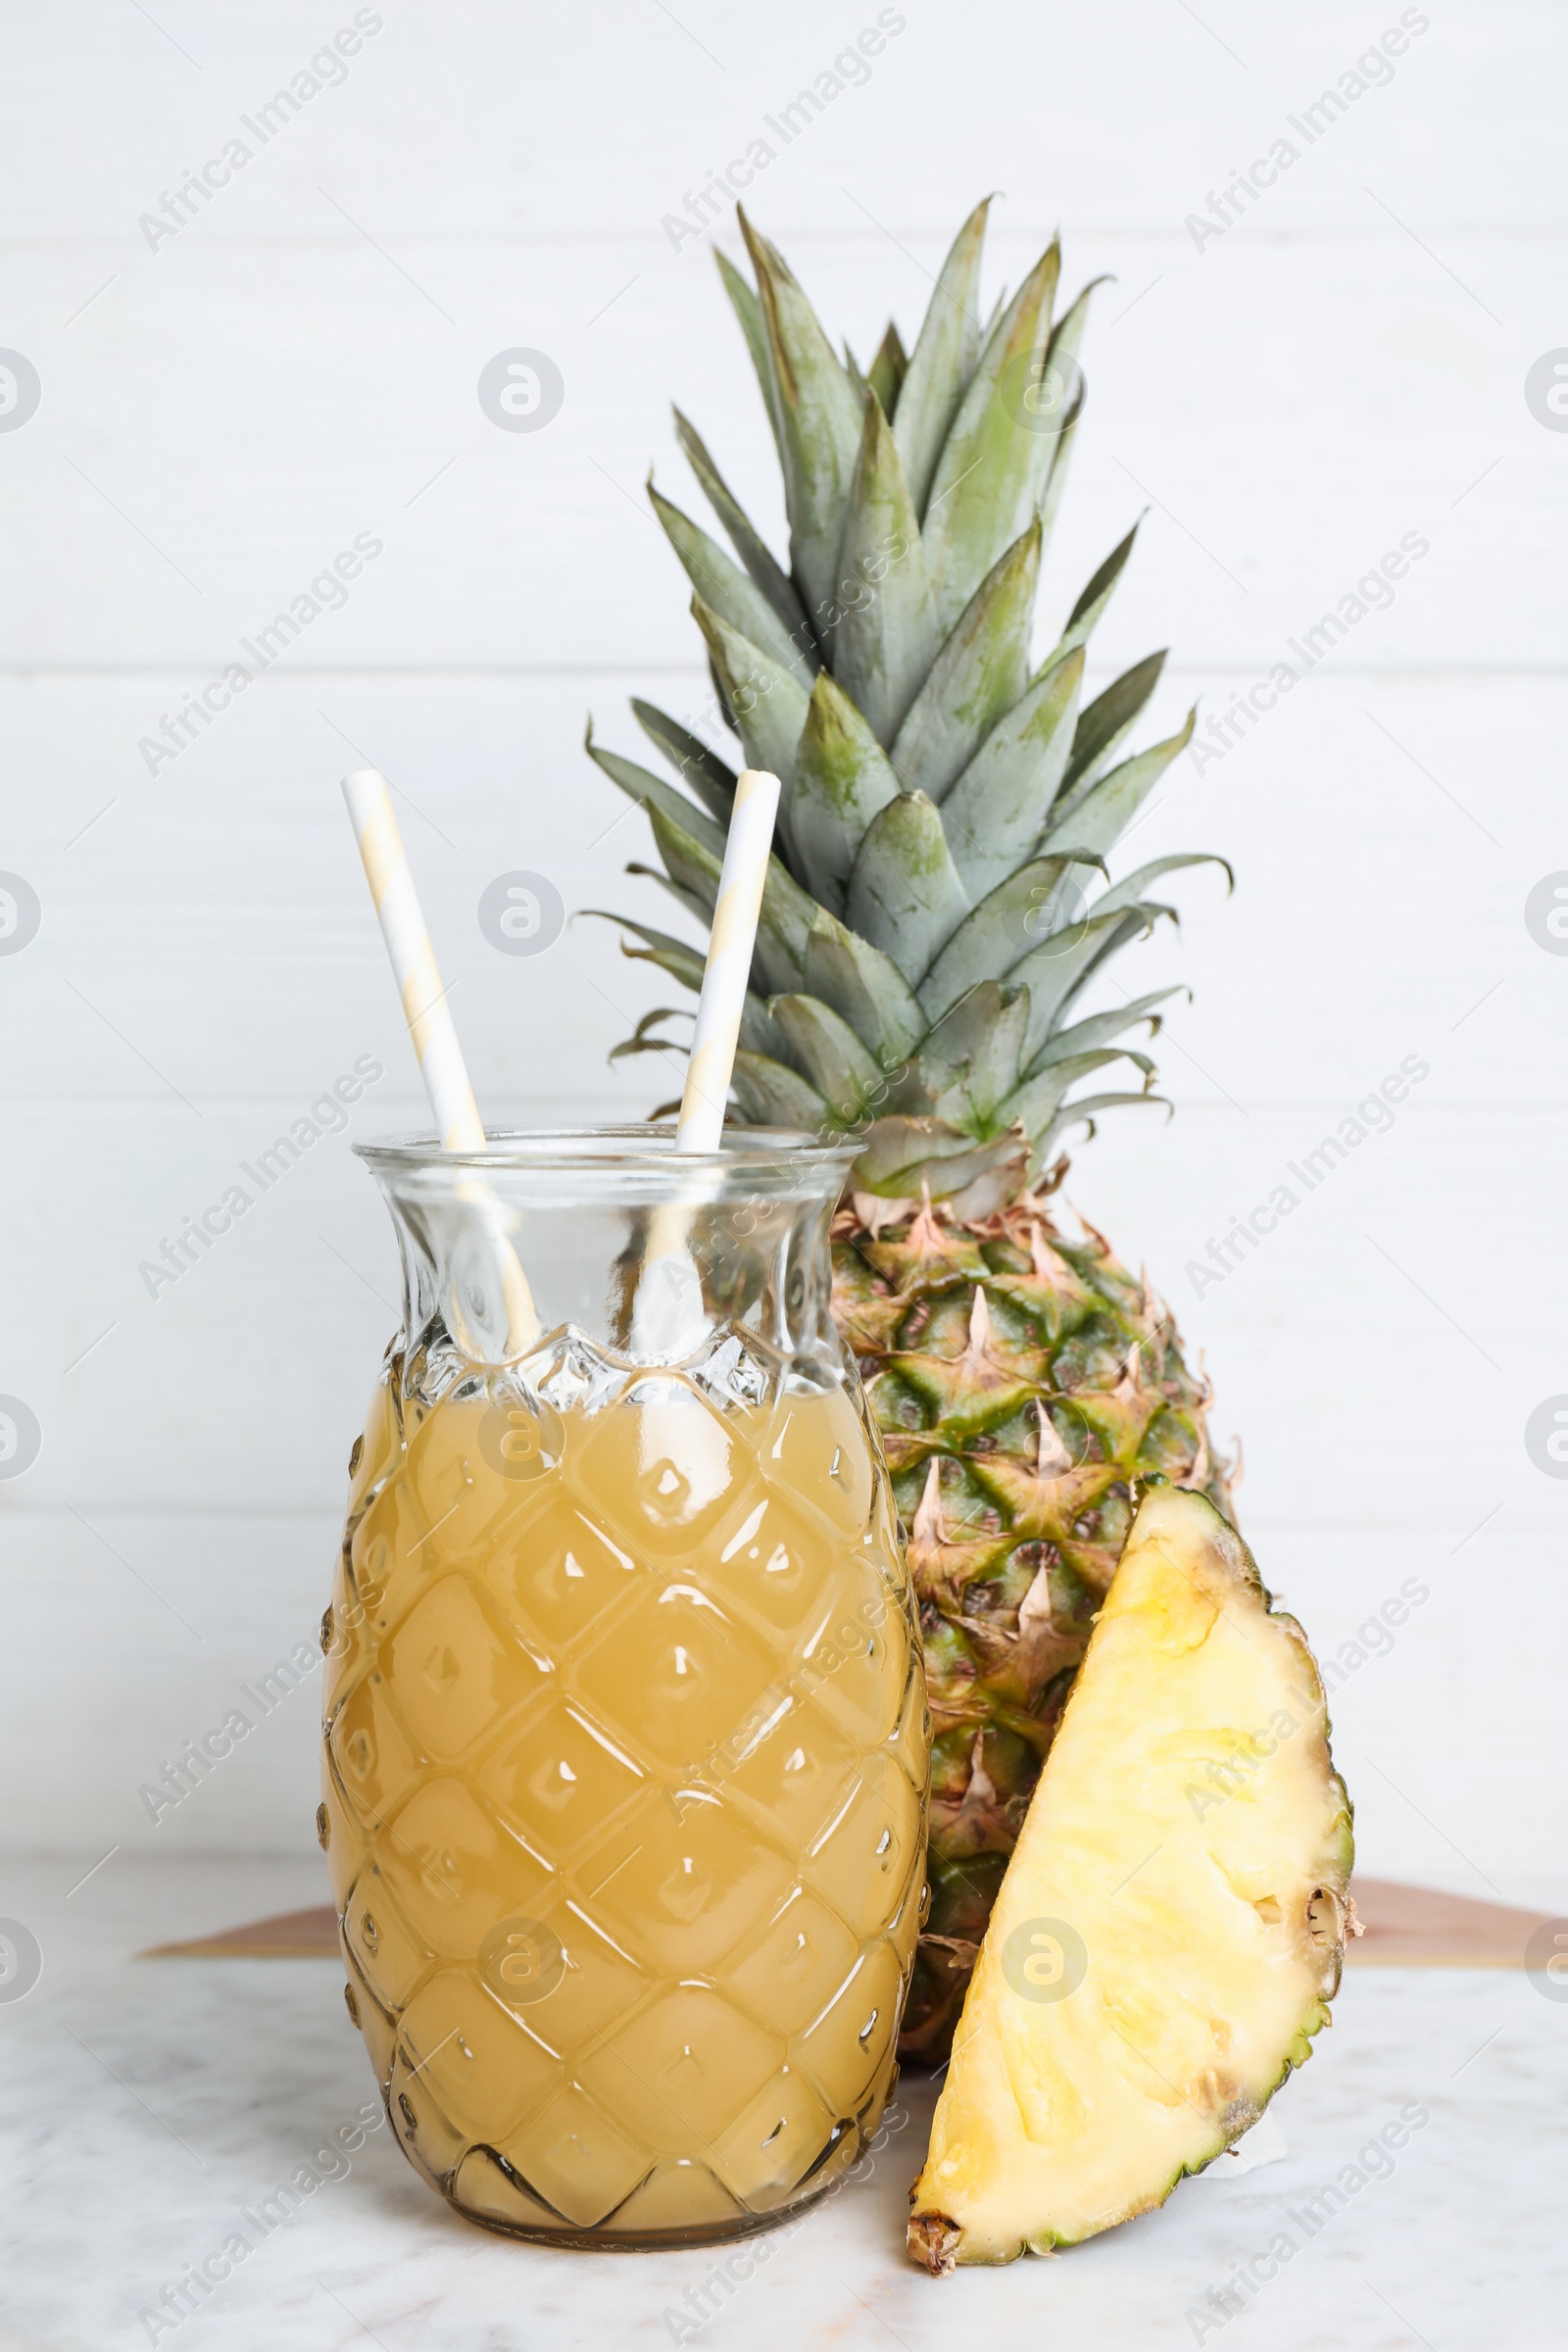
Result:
[1417,1927]
[289,1936]
[1405,1927]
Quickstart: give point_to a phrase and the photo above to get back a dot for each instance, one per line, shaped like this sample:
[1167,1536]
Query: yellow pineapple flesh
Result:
[1170,1928]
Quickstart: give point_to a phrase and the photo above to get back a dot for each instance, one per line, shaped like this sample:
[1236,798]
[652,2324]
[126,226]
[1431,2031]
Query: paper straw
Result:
[731,940]
[429,1019]
[668,1312]
[412,960]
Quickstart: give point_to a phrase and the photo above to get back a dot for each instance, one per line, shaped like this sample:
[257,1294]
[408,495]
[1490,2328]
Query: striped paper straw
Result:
[412,960]
[667,1315]
[429,1019]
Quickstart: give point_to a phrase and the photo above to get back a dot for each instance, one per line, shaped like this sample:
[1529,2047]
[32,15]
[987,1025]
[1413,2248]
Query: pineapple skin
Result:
[1225,1959]
[1020,1382]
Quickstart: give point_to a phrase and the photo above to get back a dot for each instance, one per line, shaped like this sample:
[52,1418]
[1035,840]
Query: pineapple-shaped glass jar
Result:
[626,1747]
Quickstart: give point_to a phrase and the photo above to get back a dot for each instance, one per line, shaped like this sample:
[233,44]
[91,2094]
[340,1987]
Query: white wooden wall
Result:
[222,413]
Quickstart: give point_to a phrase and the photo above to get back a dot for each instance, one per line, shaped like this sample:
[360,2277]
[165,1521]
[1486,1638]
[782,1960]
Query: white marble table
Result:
[144,2111]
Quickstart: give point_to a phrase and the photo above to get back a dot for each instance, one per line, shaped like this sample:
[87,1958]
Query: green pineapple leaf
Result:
[724,587]
[721,697]
[842,778]
[1066,336]
[767,698]
[993,466]
[1062,449]
[641,784]
[1131,889]
[699,908]
[1081,1113]
[819,418]
[1067,383]
[847,1077]
[678,956]
[970,1060]
[866,987]
[643,1040]
[687,965]
[1105,720]
[787,917]
[1035,1103]
[884,635]
[749,311]
[1000,930]
[1096,815]
[1057,969]
[772,1094]
[904,894]
[888,370]
[759,1033]
[752,550]
[692,864]
[977,676]
[1085,612]
[943,360]
[704,770]
[787,913]
[1099,1028]
[997,810]
[899,1154]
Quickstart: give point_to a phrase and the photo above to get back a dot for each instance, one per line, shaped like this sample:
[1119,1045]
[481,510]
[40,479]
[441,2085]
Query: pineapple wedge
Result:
[1170,1928]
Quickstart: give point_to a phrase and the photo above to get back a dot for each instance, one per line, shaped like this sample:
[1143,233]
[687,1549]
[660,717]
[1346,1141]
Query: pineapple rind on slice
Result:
[1171,1930]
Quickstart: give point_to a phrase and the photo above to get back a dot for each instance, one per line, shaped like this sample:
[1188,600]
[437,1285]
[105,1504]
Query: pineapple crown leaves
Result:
[937,898]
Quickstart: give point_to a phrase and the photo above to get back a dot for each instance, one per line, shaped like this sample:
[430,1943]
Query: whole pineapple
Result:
[938,902]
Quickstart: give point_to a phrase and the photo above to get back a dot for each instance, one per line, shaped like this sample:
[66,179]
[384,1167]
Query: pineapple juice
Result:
[625,1774]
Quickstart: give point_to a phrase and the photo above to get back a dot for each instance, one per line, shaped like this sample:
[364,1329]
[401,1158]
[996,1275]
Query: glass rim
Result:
[647,1148]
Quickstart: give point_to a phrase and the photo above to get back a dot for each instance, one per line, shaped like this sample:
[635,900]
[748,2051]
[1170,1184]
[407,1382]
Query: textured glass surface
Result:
[626,1748]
